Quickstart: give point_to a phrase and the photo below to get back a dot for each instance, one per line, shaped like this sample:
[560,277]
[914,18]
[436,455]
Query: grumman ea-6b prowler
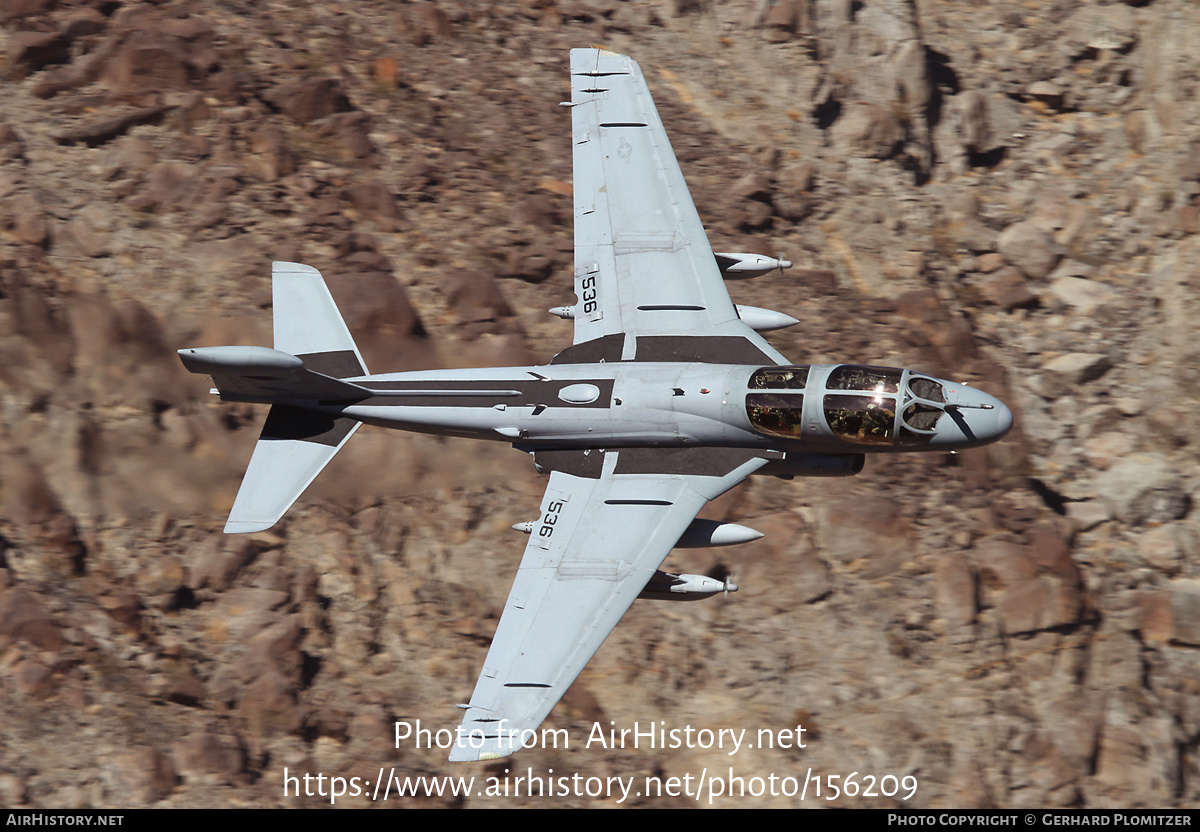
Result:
[667,398]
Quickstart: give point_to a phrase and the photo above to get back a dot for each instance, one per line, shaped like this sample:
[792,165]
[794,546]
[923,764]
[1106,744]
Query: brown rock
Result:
[123,605]
[1052,552]
[82,23]
[755,215]
[59,548]
[350,131]
[216,566]
[792,206]
[142,773]
[272,155]
[277,650]
[753,185]
[868,130]
[539,210]
[147,64]
[1008,289]
[1165,548]
[168,187]
[1185,610]
[531,264]
[309,99]
[270,706]
[1121,751]
[103,130]
[34,679]
[88,231]
[31,226]
[1047,92]
[209,759]
[811,575]
[423,22]
[1027,598]
[1030,248]
[475,296]
[189,692]
[1156,618]
[243,612]
[14,790]
[16,9]
[33,51]
[988,263]
[386,71]
[328,722]
[957,594]
[11,144]
[185,28]
[129,156]
[26,497]
[681,7]
[1076,368]
[24,618]
[782,19]
[374,201]
[974,121]
[873,528]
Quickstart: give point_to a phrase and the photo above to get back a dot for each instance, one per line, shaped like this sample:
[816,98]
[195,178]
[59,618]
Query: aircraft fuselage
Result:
[630,404]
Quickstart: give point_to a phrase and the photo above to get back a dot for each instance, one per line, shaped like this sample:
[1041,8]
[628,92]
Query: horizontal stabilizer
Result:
[294,446]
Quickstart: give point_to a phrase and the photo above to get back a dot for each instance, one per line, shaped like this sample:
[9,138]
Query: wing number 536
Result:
[550,518]
[587,289]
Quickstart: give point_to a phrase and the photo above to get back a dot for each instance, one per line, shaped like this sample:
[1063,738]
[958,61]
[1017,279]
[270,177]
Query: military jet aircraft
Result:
[667,398]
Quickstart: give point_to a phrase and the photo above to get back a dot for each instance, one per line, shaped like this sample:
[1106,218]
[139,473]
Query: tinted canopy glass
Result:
[873,379]
[865,420]
[776,414]
[779,378]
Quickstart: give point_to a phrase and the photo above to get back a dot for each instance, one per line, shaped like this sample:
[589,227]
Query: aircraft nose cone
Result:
[976,418]
[1004,419]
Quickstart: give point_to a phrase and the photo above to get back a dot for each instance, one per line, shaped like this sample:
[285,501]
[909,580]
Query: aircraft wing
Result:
[648,284]
[607,521]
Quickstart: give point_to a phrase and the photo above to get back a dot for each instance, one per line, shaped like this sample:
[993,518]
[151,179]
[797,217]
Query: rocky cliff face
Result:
[1004,193]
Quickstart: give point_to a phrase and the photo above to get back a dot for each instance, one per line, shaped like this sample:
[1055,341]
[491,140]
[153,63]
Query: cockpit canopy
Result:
[859,404]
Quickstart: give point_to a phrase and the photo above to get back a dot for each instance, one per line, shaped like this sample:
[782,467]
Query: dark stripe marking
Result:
[291,423]
[336,363]
[708,349]
[604,348]
[522,392]
[698,462]
[586,464]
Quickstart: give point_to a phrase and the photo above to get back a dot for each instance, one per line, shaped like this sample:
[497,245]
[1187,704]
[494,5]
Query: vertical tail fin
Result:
[308,324]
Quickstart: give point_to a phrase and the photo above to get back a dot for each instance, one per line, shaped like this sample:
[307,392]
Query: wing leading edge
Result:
[643,266]
[600,538]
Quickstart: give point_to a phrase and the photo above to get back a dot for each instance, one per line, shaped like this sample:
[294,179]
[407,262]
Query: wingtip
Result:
[459,754]
[246,526]
[279,267]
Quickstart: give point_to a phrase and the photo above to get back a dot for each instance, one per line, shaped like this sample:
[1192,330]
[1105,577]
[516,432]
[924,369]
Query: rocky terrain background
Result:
[1004,193]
